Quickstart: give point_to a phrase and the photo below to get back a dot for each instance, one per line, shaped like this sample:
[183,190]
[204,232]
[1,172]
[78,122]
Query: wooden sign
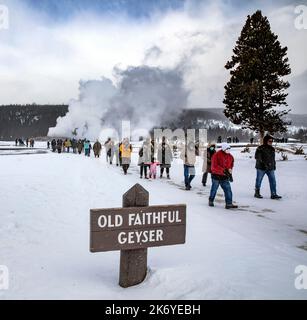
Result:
[137,227]
[134,228]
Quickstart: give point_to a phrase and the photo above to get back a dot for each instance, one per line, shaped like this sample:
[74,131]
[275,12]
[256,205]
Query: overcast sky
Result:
[50,45]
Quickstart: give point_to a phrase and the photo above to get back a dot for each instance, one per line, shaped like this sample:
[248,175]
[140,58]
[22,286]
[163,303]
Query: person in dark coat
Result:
[80,146]
[165,158]
[207,162]
[266,165]
[74,145]
[97,149]
[53,145]
[116,153]
[59,145]
[120,154]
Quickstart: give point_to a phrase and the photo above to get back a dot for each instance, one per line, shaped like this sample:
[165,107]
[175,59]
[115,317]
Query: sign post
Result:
[133,263]
[134,228]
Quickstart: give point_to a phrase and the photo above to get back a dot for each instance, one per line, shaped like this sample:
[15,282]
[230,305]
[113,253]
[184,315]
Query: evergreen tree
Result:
[256,88]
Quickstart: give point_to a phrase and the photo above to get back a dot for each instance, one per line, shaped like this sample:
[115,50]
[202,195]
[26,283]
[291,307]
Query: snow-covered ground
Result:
[248,253]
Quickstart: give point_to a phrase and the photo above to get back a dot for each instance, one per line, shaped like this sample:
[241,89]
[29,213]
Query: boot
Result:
[211,203]
[275,197]
[231,206]
[168,177]
[257,194]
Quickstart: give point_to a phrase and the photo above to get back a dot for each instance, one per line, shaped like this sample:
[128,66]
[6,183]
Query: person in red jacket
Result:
[221,167]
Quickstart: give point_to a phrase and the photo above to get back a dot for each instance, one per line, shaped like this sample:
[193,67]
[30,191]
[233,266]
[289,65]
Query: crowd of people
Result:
[77,146]
[218,163]
[29,142]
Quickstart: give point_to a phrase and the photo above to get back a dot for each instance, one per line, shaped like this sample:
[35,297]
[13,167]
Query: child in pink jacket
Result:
[153,169]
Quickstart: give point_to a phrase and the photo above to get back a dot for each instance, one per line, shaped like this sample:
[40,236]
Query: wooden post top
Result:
[136,196]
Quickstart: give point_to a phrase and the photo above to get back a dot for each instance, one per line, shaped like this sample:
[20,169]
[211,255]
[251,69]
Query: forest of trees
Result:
[31,120]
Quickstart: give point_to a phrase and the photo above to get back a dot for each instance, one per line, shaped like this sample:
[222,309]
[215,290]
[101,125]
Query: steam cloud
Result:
[146,96]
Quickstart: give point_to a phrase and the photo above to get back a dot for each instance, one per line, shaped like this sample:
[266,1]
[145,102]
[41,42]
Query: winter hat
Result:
[211,144]
[225,146]
[267,138]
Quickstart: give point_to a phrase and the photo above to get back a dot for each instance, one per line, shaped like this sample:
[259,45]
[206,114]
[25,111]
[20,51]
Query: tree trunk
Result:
[261,131]
[261,136]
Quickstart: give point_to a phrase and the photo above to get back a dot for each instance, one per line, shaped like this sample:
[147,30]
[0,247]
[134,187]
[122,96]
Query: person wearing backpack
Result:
[221,167]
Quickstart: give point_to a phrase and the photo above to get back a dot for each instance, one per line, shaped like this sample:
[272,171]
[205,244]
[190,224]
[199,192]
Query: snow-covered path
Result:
[44,232]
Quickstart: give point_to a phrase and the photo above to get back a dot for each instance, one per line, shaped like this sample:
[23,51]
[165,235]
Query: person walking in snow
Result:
[109,146]
[97,149]
[153,168]
[222,164]
[74,145]
[208,154]
[165,158]
[59,145]
[53,145]
[188,155]
[68,145]
[111,152]
[144,158]
[90,149]
[116,153]
[126,150]
[80,146]
[120,153]
[65,145]
[87,148]
[266,165]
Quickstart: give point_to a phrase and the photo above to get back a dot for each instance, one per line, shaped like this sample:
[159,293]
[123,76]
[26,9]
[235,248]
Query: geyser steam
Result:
[146,96]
